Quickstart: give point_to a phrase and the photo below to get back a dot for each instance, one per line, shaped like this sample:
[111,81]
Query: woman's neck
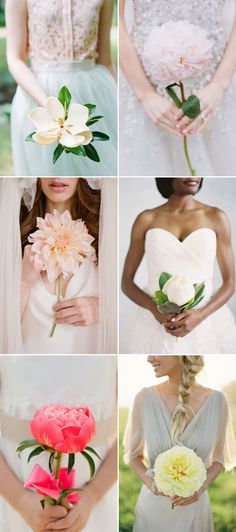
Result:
[60,206]
[179,203]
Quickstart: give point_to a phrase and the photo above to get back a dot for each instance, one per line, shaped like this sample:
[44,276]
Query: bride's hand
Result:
[30,269]
[30,508]
[76,518]
[163,319]
[185,322]
[210,97]
[161,111]
[79,311]
[184,501]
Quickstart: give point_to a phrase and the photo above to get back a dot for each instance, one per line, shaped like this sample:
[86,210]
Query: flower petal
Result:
[44,138]
[54,108]
[72,141]
[77,117]
[41,119]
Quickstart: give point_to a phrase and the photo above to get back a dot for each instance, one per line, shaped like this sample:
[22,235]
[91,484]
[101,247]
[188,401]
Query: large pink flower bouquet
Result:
[174,52]
[60,246]
[59,430]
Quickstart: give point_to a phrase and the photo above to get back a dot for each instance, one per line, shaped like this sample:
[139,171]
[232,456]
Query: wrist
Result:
[92,495]
[220,82]
[142,95]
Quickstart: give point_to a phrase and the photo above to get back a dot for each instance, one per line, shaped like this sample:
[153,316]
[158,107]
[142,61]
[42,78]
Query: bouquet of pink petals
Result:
[60,246]
[174,52]
[59,430]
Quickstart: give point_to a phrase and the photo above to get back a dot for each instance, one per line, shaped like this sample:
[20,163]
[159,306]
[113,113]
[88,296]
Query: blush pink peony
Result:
[61,244]
[176,51]
[66,429]
[46,484]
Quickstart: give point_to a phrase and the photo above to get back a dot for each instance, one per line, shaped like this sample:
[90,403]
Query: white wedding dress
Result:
[195,258]
[38,317]
[28,383]
[209,434]
[147,149]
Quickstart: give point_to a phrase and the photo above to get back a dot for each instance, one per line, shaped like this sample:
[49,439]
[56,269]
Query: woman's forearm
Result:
[227,67]
[131,65]
[219,298]
[105,477]
[26,79]
[25,294]
[140,470]
[212,473]
[137,295]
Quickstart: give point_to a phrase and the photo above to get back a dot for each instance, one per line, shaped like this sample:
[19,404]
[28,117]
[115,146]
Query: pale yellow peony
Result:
[179,471]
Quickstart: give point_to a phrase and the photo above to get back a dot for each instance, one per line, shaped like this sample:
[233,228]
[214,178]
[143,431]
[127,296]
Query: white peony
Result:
[179,290]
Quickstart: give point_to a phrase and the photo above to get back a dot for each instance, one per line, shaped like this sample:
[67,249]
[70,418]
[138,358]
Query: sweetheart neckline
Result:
[186,238]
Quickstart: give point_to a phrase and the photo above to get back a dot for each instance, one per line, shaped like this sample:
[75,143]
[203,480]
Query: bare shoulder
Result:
[145,219]
[219,221]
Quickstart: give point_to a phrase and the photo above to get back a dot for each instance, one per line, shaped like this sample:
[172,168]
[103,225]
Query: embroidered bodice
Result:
[63,30]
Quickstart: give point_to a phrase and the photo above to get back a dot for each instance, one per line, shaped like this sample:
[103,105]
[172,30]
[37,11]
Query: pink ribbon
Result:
[46,484]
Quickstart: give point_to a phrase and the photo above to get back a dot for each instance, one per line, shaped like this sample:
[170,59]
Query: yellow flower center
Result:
[181,60]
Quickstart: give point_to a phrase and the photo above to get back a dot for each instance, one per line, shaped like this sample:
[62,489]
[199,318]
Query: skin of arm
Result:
[17,37]
[211,95]
[25,502]
[30,274]
[132,262]
[92,493]
[160,110]
[104,37]
[190,319]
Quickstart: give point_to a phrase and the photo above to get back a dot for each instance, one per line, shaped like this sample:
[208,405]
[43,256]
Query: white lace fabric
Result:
[207,14]
[63,30]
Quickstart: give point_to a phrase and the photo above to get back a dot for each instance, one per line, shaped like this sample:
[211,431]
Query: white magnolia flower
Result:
[179,290]
[53,126]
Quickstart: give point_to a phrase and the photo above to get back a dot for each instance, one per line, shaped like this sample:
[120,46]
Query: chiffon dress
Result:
[149,149]
[194,257]
[62,48]
[209,434]
[28,383]
[38,319]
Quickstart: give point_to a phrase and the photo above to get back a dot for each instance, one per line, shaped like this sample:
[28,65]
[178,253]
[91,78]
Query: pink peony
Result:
[176,51]
[61,244]
[46,484]
[66,429]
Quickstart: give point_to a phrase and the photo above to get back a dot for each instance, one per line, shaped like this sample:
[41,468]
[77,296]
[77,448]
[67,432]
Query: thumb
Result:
[67,504]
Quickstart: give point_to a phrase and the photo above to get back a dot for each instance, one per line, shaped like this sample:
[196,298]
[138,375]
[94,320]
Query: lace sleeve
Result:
[225,448]
[134,433]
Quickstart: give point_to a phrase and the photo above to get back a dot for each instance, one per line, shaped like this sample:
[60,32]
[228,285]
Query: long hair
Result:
[191,366]
[85,205]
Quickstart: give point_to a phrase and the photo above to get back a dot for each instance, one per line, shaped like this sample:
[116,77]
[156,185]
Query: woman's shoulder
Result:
[219,396]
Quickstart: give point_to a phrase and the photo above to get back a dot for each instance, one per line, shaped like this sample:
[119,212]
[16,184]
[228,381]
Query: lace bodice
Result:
[63,30]
[207,14]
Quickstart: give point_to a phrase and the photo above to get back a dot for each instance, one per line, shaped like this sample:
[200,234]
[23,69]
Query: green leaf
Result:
[64,97]
[26,444]
[71,461]
[90,462]
[172,94]
[191,106]
[92,153]
[79,150]
[164,277]
[91,450]
[30,137]
[160,298]
[91,107]
[93,120]
[98,135]
[57,152]
[196,302]
[35,452]
[169,308]
[199,289]
[50,462]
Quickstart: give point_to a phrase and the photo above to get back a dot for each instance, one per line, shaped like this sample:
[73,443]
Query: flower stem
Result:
[58,285]
[191,169]
[58,464]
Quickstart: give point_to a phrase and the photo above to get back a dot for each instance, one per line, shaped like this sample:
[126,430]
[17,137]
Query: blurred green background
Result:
[222,492]
[7,90]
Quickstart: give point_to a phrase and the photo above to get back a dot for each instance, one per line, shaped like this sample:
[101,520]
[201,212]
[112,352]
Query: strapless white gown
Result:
[194,257]
[28,383]
[38,317]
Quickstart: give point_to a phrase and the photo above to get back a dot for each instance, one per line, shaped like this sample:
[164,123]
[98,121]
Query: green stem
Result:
[191,169]
[58,285]
[58,464]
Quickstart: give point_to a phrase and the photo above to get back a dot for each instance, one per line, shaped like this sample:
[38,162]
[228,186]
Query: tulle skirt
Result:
[143,334]
[148,149]
[88,83]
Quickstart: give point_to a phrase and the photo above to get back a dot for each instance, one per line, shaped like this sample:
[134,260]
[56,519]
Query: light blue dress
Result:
[62,41]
